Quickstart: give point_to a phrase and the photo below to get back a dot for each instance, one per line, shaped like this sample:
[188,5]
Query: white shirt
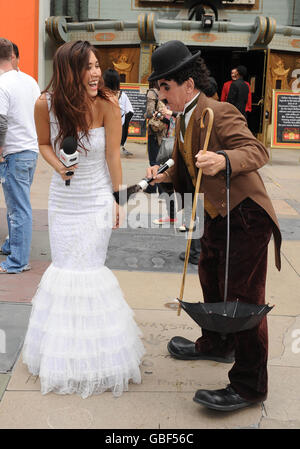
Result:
[189,114]
[125,105]
[18,94]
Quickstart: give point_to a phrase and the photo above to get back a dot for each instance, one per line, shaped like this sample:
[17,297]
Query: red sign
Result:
[105,37]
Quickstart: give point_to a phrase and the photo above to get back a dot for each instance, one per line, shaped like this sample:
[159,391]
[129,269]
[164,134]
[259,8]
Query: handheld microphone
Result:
[143,184]
[69,155]
[123,196]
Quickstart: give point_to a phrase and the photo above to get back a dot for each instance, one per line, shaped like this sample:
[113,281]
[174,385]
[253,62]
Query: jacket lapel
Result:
[198,133]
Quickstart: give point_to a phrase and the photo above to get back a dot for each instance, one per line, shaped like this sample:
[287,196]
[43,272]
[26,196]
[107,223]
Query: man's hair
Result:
[16,50]
[6,49]
[212,89]
[111,79]
[196,70]
[242,71]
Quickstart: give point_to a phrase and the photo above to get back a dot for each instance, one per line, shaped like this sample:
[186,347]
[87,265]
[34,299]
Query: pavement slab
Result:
[294,204]
[134,410]
[282,207]
[267,423]
[157,290]
[283,399]
[290,353]
[4,380]
[21,287]
[291,251]
[282,287]
[279,329]
[13,325]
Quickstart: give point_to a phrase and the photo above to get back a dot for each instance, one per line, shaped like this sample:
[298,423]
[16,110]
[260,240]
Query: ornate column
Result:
[146,30]
[145,62]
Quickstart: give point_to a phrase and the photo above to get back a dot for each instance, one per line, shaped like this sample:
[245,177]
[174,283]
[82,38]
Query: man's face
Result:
[234,74]
[14,61]
[175,95]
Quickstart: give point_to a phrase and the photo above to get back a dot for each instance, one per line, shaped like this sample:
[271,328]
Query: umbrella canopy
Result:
[226,318]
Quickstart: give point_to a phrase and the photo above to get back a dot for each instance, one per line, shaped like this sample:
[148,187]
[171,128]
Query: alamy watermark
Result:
[296,341]
[141,209]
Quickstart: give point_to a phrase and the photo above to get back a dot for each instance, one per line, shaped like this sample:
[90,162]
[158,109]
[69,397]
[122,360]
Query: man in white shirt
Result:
[18,157]
[15,57]
[126,114]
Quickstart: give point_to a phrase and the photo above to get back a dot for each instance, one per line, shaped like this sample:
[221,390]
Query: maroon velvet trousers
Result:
[250,233]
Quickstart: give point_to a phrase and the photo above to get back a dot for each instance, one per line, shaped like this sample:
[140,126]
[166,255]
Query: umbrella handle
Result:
[228,173]
[197,188]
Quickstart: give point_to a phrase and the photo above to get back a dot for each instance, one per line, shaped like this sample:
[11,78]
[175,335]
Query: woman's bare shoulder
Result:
[109,106]
[41,104]
[107,103]
[42,100]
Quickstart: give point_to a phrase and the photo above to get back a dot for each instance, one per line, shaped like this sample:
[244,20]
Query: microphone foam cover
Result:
[69,145]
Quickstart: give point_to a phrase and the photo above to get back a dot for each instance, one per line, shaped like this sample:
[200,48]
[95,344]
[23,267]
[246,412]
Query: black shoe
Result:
[194,259]
[225,400]
[184,349]
[3,253]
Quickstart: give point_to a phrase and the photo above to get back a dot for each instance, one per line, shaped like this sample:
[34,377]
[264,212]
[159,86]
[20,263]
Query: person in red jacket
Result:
[237,73]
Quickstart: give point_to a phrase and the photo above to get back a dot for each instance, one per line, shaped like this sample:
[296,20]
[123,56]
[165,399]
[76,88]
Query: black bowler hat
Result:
[169,58]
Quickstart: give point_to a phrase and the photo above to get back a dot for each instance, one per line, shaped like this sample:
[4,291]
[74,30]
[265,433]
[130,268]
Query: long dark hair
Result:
[68,94]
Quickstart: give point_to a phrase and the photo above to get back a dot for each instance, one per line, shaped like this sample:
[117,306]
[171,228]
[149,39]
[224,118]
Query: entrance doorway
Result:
[220,61]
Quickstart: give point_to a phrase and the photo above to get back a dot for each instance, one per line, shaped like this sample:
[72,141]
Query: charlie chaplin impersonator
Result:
[182,77]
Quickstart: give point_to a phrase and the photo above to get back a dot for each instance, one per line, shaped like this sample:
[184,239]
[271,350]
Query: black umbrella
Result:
[225,317]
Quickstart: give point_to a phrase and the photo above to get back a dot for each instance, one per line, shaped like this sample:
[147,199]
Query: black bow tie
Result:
[182,116]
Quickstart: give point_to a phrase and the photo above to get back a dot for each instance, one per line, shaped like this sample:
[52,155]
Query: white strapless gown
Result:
[82,336]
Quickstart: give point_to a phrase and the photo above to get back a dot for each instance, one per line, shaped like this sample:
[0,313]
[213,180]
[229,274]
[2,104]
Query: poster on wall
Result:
[286,119]
[137,94]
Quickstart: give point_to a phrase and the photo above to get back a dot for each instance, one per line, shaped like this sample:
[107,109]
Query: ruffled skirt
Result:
[82,336]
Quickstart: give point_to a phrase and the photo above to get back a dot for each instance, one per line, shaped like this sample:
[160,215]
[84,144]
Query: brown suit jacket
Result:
[231,134]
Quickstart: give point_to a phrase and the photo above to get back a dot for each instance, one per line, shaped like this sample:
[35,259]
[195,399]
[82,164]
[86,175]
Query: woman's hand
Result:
[118,215]
[62,171]
[210,162]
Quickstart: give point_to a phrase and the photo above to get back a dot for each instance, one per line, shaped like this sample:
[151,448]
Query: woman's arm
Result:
[113,133]
[42,124]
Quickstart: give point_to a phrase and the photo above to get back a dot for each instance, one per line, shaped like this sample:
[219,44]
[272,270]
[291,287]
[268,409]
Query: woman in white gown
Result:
[82,336]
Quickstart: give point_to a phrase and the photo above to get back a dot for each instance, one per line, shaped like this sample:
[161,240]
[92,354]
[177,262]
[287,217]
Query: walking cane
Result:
[197,188]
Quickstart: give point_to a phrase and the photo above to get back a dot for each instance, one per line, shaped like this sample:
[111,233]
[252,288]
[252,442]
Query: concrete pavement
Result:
[146,263]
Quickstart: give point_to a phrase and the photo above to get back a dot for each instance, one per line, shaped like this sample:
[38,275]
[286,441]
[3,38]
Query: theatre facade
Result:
[263,35]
